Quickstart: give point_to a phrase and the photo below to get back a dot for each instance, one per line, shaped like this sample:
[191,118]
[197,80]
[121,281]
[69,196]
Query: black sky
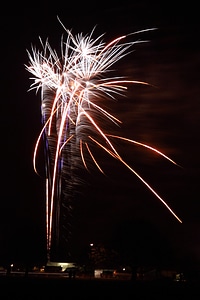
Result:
[165,115]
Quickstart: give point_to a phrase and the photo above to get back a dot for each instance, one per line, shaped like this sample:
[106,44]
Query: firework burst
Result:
[72,84]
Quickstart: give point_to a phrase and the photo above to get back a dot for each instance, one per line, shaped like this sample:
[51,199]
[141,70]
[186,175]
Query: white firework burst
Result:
[72,84]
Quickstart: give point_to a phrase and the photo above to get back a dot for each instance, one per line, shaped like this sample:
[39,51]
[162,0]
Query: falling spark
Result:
[76,80]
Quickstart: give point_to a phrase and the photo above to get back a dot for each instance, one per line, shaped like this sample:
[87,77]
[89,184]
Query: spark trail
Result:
[73,84]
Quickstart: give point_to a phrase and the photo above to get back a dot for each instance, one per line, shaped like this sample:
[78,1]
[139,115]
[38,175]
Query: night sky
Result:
[116,209]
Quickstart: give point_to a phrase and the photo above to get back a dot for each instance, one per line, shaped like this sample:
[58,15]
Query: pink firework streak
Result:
[77,79]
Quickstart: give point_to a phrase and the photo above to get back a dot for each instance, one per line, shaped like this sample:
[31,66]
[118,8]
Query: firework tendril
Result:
[72,84]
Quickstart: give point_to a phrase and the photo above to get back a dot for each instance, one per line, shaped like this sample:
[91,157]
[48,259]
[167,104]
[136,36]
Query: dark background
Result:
[118,209]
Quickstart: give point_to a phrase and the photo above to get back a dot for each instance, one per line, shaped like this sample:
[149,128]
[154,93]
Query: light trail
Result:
[72,84]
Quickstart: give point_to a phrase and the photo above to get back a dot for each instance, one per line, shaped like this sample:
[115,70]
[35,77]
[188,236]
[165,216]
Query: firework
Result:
[73,84]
